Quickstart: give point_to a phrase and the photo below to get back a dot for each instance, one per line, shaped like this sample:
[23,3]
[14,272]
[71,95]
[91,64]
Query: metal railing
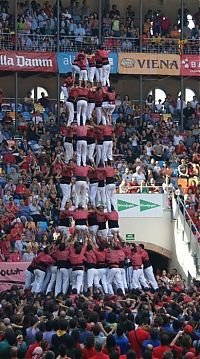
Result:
[46,42]
[30,42]
[153,45]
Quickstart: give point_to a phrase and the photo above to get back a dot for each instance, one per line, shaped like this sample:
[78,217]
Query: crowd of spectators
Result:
[37,28]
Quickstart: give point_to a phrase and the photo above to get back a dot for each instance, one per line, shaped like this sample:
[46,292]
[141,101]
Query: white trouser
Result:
[83,75]
[148,272]
[123,280]
[90,151]
[105,117]
[81,227]
[77,280]
[110,190]
[102,273]
[92,277]
[28,279]
[91,73]
[90,109]
[108,109]
[93,231]
[75,69]
[65,92]
[107,151]
[46,280]
[52,281]
[64,230]
[129,277]
[112,230]
[102,233]
[105,75]
[80,190]
[38,282]
[99,74]
[70,109]
[138,280]
[81,111]
[68,151]
[98,154]
[62,281]
[81,152]
[101,195]
[98,115]
[93,193]
[114,275]
[66,192]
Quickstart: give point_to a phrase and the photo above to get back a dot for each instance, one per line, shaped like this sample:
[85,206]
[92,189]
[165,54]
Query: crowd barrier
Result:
[12,273]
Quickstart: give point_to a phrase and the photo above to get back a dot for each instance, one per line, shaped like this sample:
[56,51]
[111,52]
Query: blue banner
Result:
[65,59]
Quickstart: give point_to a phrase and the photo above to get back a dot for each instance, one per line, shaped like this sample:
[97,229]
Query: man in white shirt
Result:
[177,138]
[138,176]
[37,118]
[194,102]
[127,176]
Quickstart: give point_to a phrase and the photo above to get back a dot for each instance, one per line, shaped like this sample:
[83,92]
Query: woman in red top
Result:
[88,351]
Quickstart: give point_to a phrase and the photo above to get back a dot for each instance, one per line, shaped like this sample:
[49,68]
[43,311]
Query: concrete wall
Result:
[155,233]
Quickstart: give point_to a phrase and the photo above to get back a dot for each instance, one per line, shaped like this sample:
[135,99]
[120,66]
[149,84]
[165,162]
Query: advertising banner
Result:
[148,64]
[28,61]
[65,59]
[190,65]
[12,273]
[139,205]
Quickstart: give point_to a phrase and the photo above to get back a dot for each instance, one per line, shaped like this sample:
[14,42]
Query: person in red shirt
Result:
[70,104]
[138,280]
[98,105]
[91,101]
[80,216]
[11,207]
[93,186]
[81,174]
[114,273]
[107,154]
[91,143]
[100,252]
[82,99]
[61,256]
[83,76]
[105,66]
[161,349]
[99,354]
[15,256]
[99,67]
[66,85]
[136,338]
[65,184]
[91,267]
[41,264]
[76,65]
[102,222]
[101,192]
[99,145]
[147,267]
[81,145]
[21,191]
[110,187]
[68,134]
[113,222]
[92,66]
[77,259]
[89,351]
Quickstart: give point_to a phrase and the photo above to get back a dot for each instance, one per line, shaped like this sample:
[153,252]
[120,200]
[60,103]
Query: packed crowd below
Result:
[87,293]
[79,26]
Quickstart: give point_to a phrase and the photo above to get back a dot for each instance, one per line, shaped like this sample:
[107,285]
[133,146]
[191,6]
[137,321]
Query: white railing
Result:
[191,234]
